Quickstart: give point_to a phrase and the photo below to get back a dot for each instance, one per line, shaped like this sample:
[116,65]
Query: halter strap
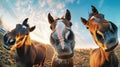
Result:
[111,48]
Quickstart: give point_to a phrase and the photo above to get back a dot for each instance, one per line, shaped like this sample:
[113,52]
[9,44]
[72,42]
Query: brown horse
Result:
[105,35]
[62,39]
[28,53]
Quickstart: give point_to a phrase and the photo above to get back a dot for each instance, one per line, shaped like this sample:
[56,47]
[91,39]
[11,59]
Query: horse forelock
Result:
[24,27]
[98,15]
[60,24]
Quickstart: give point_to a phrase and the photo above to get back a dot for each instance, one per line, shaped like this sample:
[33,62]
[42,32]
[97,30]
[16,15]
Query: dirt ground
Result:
[81,57]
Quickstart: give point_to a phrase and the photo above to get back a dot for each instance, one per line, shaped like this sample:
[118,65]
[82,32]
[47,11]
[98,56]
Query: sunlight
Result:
[39,39]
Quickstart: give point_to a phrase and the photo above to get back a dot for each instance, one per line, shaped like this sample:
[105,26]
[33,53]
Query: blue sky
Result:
[15,11]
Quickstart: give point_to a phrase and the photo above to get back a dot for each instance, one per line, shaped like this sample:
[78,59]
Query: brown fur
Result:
[28,53]
[100,58]
[64,46]
[57,62]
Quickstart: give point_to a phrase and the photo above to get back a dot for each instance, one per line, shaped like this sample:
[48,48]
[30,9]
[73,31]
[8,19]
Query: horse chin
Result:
[111,48]
[6,47]
[65,55]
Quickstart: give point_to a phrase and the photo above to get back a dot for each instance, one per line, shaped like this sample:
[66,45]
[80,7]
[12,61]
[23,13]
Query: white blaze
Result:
[24,27]
[95,19]
[59,29]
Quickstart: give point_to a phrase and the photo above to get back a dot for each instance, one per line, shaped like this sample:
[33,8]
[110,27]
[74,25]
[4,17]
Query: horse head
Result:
[16,37]
[62,37]
[103,32]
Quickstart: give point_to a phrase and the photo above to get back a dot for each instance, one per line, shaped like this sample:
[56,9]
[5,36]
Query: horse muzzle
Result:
[8,43]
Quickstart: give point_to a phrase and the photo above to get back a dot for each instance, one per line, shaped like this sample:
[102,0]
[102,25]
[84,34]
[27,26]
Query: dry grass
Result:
[81,57]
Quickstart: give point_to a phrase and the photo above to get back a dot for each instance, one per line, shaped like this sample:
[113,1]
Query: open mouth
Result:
[110,49]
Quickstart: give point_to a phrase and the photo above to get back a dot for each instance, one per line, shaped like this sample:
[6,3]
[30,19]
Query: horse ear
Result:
[25,21]
[50,18]
[32,28]
[83,20]
[94,10]
[68,15]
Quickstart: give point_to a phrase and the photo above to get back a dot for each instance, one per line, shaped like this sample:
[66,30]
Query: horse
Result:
[28,53]
[62,39]
[104,33]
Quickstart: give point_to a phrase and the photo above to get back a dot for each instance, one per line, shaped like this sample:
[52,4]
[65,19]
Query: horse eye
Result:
[87,27]
[54,40]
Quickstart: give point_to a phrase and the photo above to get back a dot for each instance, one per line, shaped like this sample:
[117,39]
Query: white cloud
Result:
[60,5]
[50,3]
[37,15]
[81,39]
[42,3]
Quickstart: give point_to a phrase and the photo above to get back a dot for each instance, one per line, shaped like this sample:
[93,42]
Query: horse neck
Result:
[25,47]
[106,55]
[28,40]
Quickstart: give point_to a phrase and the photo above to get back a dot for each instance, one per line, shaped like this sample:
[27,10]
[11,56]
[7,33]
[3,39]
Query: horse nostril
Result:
[11,41]
[5,38]
[67,35]
[64,50]
[100,35]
